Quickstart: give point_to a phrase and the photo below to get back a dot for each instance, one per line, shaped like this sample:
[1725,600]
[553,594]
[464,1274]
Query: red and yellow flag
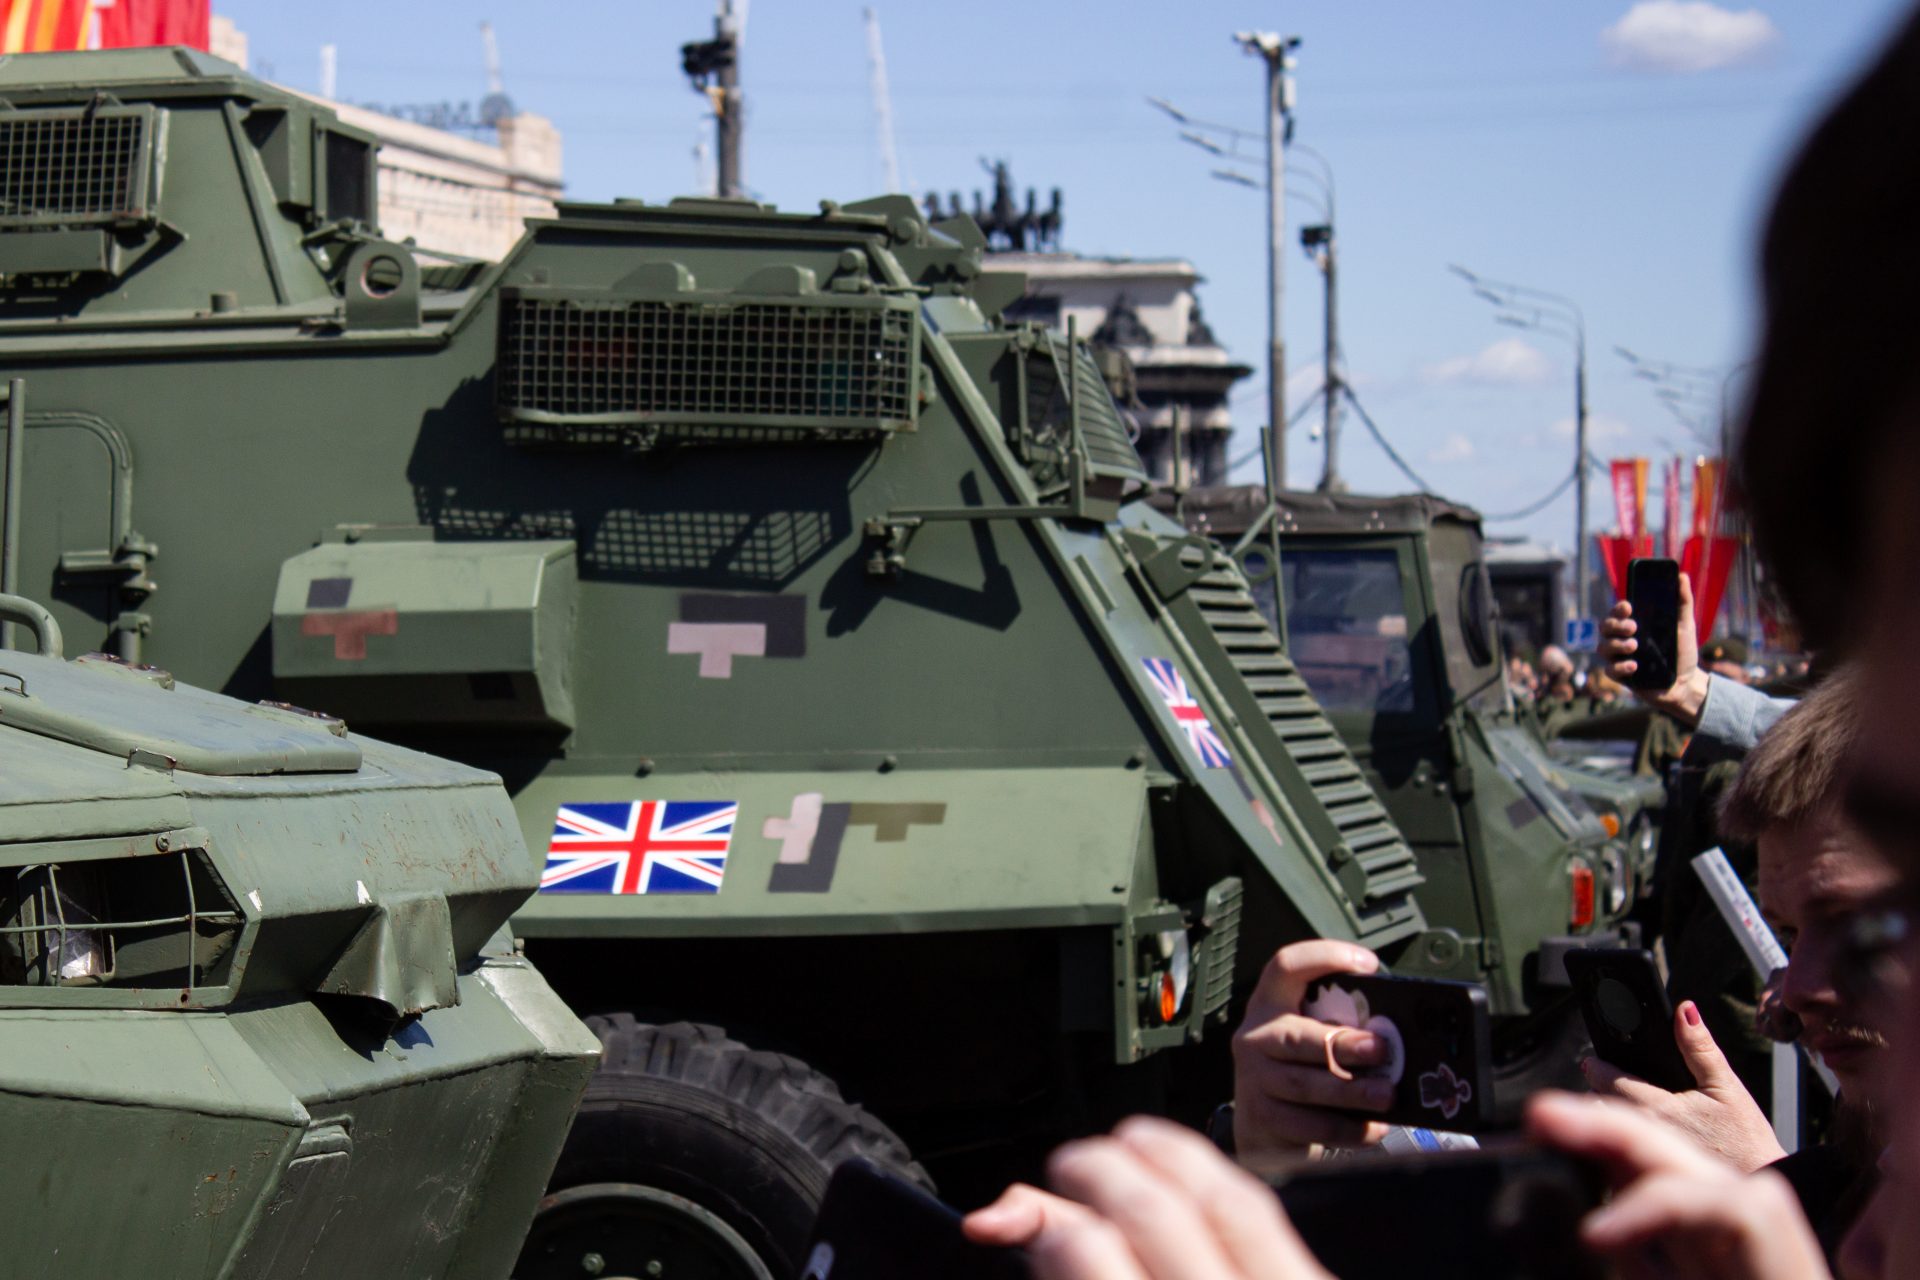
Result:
[48,26]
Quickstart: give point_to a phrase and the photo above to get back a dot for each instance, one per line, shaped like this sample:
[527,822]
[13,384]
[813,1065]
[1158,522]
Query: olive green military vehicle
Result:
[259,1016]
[1388,615]
[909,787]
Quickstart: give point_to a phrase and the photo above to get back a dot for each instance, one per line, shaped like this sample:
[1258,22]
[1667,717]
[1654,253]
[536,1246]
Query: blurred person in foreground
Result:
[1556,675]
[1829,467]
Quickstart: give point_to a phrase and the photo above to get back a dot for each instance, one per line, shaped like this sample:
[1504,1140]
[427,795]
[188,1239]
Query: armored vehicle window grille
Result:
[74,166]
[1314,747]
[620,371]
[160,921]
[1109,444]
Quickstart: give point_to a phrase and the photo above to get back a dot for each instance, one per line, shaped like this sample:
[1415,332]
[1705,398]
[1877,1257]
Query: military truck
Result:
[259,1016]
[909,787]
[1390,618]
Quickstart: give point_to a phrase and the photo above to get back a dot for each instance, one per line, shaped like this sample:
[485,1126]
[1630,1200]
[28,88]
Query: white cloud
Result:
[1455,448]
[1510,362]
[1601,427]
[1682,36]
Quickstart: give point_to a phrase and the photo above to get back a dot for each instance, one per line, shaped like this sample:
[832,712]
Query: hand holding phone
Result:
[1653,589]
[1628,1014]
[1508,1213]
[1440,1040]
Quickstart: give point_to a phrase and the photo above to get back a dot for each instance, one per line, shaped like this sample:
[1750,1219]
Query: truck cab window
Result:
[1347,628]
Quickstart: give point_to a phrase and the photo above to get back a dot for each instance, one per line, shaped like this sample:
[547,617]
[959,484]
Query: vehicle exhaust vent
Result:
[714,369]
[75,167]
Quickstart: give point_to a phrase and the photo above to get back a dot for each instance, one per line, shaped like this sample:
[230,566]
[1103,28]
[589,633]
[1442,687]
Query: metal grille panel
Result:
[73,167]
[733,371]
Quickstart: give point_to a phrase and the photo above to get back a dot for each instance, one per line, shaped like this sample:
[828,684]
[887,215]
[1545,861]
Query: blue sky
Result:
[1619,153]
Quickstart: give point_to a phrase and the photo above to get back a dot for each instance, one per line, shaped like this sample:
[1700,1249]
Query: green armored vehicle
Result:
[1389,616]
[909,787]
[258,1014]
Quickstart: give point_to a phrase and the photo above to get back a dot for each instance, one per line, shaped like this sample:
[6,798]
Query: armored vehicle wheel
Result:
[1544,1055]
[695,1156]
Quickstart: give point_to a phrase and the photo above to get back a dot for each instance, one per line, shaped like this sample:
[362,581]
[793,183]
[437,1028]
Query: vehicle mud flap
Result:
[693,1151]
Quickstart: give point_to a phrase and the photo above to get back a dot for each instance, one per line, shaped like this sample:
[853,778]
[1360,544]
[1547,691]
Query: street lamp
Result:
[1560,317]
[1688,391]
[1277,52]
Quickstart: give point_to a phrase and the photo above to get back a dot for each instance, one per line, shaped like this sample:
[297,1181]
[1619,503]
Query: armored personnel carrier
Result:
[258,1014]
[909,787]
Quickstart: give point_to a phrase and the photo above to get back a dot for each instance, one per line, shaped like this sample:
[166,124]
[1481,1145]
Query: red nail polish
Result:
[1691,1012]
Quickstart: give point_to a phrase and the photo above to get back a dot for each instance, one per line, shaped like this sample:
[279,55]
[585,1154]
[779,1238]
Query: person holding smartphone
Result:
[1731,713]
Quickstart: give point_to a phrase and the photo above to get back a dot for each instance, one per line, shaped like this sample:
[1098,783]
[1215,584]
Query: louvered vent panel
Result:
[1311,740]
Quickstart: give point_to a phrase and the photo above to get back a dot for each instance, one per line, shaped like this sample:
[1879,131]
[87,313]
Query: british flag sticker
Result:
[640,846]
[1187,713]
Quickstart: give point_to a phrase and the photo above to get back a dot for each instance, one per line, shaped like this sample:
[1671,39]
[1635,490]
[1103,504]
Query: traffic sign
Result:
[1583,635]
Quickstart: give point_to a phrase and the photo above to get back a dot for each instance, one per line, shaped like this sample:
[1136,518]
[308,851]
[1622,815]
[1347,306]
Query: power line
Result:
[1535,507]
[1381,440]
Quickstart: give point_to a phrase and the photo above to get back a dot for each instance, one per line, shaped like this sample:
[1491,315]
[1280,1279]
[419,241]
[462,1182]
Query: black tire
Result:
[748,1137]
[1543,1053]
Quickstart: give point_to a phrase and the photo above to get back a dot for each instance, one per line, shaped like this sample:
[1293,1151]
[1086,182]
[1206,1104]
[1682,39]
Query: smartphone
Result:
[1504,1213]
[1628,1014]
[1653,589]
[875,1226]
[1441,1039]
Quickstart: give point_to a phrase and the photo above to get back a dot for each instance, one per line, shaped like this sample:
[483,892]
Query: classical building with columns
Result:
[1148,308]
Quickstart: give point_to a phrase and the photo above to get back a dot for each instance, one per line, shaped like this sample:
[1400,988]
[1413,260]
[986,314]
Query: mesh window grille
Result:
[733,371]
[76,167]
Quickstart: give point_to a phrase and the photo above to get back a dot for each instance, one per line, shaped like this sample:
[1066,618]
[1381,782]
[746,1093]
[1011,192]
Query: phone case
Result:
[1442,1067]
[1656,659]
[1628,1014]
[1508,1213]
[874,1226]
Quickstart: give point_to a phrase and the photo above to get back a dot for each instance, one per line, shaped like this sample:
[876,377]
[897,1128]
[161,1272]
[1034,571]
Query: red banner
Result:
[136,24]
[1630,496]
[44,26]
[1706,497]
[1707,562]
[49,26]
[1674,538]
[1615,552]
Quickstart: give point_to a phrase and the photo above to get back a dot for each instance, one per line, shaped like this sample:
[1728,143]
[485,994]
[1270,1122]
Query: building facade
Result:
[463,194]
[1147,308]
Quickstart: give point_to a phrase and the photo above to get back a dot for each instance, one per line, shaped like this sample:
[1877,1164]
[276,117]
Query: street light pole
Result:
[1581,593]
[1277,52]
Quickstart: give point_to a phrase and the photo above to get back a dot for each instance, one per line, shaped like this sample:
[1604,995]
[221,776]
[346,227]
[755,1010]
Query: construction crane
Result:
[882,103]
[496,106]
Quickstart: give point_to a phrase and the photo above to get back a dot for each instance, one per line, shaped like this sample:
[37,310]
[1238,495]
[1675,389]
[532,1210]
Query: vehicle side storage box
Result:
[388,627]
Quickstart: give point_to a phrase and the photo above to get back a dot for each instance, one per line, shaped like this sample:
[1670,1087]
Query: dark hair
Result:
[1840,360]
[1795,772]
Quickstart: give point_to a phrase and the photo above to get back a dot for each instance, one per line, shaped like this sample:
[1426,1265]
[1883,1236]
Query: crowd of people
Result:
[1826,467]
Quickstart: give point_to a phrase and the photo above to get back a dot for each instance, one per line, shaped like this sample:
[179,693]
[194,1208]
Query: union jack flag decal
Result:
[640,846]
[1187,713]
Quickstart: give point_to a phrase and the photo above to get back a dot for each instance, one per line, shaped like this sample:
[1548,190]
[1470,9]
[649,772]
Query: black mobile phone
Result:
[1441,1040]
[875,1226]
[1653,589]
[1505,1213]
[1628,1014]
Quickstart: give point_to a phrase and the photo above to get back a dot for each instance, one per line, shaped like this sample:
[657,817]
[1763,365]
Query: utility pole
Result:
[714,68]
[1277,52]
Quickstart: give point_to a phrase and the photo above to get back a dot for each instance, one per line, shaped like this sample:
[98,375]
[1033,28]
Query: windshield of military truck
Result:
[1347,627]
